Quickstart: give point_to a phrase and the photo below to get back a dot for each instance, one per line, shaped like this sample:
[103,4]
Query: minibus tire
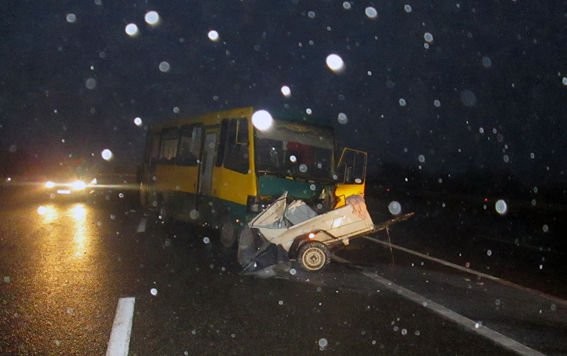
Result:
[228,232]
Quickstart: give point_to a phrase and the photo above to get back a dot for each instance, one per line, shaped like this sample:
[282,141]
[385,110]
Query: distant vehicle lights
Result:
[78,185]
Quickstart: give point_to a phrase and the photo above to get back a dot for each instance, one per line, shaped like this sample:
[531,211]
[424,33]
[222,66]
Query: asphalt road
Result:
[64,265]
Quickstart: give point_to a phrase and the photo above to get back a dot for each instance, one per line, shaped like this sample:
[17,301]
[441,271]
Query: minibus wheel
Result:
[228,232]
[313,256]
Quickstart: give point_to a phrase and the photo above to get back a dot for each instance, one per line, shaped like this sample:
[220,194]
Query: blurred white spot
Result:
[71,18]
[153,292]
[371,12]
[292,271]
[152,18]
[194,214]
[164,67]
[545,228]
[280,302]
[437,103]
[6,279]
[213,35]
[106,154]
[176,110]
[131,29]
[342,118]
[303,168]
[206,240]
[90,83]
[292,159]
[421,158]
[402,102]
[486,62]
[481,130]
[501,206]
[335,62]
[308,111]
[506,159]
[311,14]
[394,208]
[138,121]
[262,120]
[477,325]
[313,187]
[98,2]
[407,8]
[564,81]
[346,5]
[489,253]
[404,332]
[286,91]
[468,98]
[532,155]
[428,37]
[323,343]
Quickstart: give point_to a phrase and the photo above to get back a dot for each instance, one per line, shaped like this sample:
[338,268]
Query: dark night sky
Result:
[498,69]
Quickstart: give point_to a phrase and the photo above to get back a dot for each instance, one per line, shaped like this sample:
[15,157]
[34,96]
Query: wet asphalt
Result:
[65,264]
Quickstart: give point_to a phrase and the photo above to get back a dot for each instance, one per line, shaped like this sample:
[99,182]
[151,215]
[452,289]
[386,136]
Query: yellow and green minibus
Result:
[222,168]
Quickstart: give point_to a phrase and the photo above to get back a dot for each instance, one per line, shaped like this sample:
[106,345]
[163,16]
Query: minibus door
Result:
[208,163]
[351,171]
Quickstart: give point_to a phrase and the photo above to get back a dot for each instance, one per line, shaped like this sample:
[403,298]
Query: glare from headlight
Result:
[78,185]
[49,184]
[94,181]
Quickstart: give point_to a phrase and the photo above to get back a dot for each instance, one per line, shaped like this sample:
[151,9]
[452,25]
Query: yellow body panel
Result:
[233,186]
[343,191]
[176,178]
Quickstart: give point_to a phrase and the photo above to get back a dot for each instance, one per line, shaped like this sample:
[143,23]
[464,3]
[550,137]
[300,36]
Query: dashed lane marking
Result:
[449,314]
[121,328]
[142,225]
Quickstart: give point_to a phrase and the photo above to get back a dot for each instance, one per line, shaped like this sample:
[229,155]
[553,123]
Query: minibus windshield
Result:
[295,150]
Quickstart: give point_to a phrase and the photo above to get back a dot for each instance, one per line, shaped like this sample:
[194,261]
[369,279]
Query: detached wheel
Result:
[314,256]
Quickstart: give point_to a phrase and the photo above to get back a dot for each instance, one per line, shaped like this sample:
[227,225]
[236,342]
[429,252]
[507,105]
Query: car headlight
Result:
[78,185]
[49,184]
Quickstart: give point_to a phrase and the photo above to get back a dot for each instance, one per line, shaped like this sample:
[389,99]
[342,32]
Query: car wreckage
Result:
[294,231]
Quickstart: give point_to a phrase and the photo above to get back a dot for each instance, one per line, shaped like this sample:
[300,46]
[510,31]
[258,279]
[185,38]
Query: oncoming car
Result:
[74,188]
[67,181]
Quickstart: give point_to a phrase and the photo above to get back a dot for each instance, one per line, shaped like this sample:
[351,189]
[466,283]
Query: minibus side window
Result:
[153,151]
[190,145]
[168,146]
[235,145]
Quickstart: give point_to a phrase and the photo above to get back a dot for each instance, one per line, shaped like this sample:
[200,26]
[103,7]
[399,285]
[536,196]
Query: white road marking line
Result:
[121,328]
[449,314]
[142,225]
[552,298]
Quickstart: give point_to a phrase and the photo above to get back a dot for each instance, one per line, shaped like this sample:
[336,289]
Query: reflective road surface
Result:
[64,265]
